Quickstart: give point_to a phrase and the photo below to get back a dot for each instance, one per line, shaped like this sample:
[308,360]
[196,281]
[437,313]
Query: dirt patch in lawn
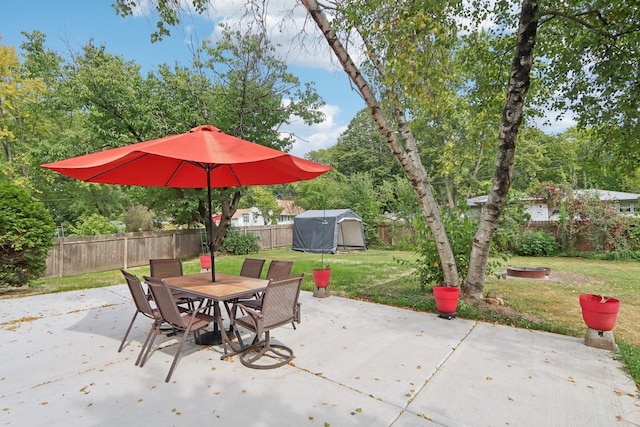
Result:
[503,311]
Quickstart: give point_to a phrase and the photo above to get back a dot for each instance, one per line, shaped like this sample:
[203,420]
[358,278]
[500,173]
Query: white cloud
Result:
[296,38]
[317,136]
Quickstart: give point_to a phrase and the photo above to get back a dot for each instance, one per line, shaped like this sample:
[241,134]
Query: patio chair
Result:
[277,270]
[165,267]
[277,309]
[162,268]
[187,322]
[143,307]
[252,267]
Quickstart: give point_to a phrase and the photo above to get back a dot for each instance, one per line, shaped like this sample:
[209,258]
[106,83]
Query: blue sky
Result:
[70,24]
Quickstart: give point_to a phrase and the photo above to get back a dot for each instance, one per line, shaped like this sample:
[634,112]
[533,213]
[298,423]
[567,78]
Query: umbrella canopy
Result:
[187,160]
[204,157]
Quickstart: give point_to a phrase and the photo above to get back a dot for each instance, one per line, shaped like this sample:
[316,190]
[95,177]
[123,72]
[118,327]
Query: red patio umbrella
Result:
[204,157]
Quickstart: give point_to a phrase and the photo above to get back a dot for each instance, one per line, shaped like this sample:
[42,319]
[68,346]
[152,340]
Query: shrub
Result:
[93,225]
[26,235]
[240,244]
[139,218]
[460,229]
[538,243]
[598,222]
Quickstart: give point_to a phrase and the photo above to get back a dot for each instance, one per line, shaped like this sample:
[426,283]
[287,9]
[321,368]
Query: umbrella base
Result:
[212,337]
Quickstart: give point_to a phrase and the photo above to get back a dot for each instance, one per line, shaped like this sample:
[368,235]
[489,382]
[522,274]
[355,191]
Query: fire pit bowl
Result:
[527,272]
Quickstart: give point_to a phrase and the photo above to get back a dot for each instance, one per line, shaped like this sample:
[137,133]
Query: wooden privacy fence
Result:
[88,254]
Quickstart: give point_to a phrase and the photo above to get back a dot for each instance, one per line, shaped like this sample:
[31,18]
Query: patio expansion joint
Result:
[435,371]
[320,375]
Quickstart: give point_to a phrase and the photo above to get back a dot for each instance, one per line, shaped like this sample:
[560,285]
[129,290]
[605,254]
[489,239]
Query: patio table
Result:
[227,287]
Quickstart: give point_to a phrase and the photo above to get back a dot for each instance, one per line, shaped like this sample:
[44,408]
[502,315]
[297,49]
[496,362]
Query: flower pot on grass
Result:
[599,312]
[446,301]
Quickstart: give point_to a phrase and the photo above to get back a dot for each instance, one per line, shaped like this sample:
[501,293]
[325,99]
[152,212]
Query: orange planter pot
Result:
[598,312]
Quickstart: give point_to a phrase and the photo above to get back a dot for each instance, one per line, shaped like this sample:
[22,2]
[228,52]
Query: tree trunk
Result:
[448,185]
[511,118]
[228,209]
[407,156]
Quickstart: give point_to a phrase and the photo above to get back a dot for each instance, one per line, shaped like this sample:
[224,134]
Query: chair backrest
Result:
[164,301]
[252,267]
[165,267]
[279,301]
[279,270]
[138,294]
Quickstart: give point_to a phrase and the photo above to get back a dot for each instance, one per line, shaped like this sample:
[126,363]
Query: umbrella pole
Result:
[212,246]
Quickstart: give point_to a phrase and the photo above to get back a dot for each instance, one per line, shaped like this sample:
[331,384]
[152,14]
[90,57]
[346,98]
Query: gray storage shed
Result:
[327,231]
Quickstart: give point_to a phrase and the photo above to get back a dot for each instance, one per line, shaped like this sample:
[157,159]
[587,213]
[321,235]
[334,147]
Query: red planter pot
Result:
[446,299]
[205,262]
[321,277]
[598,312]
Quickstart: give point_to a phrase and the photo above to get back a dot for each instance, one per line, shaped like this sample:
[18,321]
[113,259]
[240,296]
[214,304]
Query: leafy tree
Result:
[61,130]
[93,224]
[399,198]
[238,84]
[265,202]
[359,149]
[21,95]
[361,196]
[324,192]
[588,58]
[26,236]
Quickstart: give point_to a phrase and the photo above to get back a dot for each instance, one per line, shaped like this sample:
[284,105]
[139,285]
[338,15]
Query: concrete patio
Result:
[356,364]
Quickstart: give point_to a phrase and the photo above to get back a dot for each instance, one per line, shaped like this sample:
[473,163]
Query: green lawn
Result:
[375,275]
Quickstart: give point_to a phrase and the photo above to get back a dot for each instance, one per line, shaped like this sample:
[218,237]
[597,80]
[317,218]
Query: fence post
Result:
[173,245]
[126,253]
[272,232]
[61,261]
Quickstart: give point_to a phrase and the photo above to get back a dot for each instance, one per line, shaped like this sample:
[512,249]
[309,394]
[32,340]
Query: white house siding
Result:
[626,203]
[538,211]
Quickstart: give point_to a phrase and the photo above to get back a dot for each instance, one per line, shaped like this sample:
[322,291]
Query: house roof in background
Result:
[604,195]
[240,212]
[607,196]
[477,201]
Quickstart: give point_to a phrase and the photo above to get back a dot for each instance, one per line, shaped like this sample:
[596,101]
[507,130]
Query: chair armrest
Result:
[250,311]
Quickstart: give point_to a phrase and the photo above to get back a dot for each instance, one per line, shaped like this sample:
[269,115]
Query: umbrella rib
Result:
[176,170]
[209,167]
[91,178]
[235,177]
